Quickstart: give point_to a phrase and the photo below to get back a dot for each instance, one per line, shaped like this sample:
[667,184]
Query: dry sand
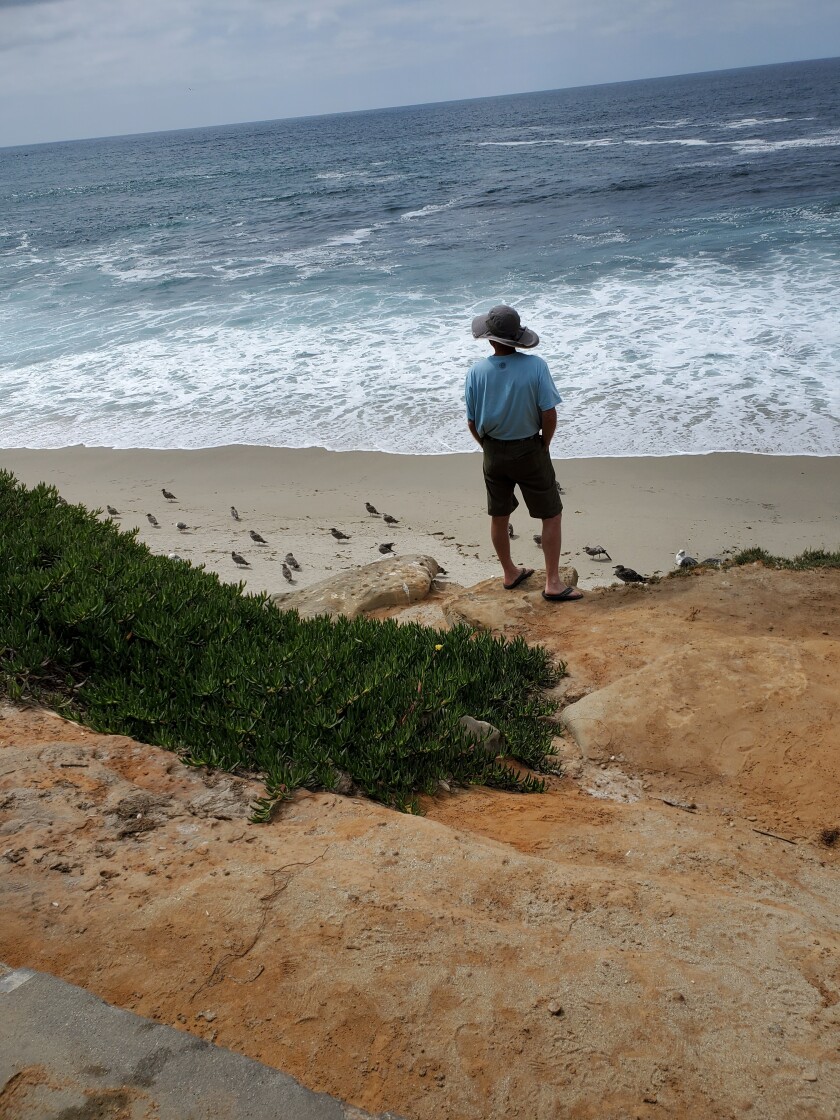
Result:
[641,510]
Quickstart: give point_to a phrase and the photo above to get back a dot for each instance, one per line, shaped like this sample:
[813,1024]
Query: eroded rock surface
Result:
[394,582]
[631,943]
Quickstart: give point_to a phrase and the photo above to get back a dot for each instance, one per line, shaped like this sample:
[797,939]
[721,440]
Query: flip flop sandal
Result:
[567,595]
[526,573]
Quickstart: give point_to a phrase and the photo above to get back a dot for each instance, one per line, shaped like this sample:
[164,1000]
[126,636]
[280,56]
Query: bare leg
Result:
[551,545]
[501,543]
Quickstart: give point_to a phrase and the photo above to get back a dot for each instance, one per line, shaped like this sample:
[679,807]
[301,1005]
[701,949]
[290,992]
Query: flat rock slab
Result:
[395,581]
[63,1052]
[760,716]
[490,606]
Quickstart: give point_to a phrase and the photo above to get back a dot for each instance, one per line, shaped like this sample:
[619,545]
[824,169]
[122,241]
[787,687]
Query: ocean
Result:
[311,282]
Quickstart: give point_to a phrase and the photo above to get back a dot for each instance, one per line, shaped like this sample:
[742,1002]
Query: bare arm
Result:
[549,426]
[474,431]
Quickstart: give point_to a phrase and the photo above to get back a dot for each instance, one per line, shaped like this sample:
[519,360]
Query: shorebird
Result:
[389,520]
[538,539]
[372,509]
[290,560]
[596,550]
[170,497]
[181,526]
[256,537]
[712,561]
[113,512]
[240,561]
[174,556]
[234,512]
[683,561]
[511,533]
[287,575]
[627,575]
[150,517]
[384,548]
[60,501]
[339,536]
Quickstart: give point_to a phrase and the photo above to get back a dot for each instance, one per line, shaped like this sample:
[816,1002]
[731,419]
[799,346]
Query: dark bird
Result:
[372,509]
[538,539]
[384,548]
[596,550]
[170,497]
[560,489]
[61,501]
[290,560]
[234,512]
[113,512]
[713,561]
[150,517]
[683,561]
[627,575]
[389,520]
[181,526]
[256,537]
[240,560]
[339,536]
[287,575]
[511,533]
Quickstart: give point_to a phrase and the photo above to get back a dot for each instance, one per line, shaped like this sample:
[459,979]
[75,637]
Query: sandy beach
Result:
[642,510]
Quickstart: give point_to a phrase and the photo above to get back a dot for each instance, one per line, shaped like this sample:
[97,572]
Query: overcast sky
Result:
[78,68]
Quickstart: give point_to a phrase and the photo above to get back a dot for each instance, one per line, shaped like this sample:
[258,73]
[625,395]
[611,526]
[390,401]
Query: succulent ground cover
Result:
[96,626]
[810,558]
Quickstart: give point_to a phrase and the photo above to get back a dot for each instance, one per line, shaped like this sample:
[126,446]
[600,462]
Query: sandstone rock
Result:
[489,606]
[397,581]
[485,734]
[744,712]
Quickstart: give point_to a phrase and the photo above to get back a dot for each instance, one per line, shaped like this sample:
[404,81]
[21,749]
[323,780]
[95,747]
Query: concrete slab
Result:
[67,1055]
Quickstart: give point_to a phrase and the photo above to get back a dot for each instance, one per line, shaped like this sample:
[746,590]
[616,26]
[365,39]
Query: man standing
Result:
[512,412]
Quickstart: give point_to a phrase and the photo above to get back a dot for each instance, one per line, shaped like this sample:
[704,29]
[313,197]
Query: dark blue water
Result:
[675,242]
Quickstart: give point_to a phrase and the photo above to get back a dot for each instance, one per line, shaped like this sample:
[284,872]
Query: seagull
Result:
[511,533]
[683,561]
[153,520]
[389,520]
[170,497]
[627,575]
[256,537]
[538,539]
[372,509]
[181,526]
[560,489]
[714,561]
[287,575]
[290,560]
[175,556]
[240,560]
[385,548]
[113,512]
[596,550]
[234,512]
[339,536]
[61,501]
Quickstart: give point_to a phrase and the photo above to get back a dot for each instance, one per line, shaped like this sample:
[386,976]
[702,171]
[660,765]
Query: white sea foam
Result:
[696,357]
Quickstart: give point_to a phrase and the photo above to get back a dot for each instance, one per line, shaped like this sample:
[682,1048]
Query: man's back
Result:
[506,394]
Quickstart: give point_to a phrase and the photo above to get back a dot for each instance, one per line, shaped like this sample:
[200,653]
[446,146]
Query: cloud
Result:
[314,55]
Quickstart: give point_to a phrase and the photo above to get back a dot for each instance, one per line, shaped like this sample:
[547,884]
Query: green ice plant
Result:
[95,625]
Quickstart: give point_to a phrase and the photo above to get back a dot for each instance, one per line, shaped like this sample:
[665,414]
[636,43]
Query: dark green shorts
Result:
[524,463]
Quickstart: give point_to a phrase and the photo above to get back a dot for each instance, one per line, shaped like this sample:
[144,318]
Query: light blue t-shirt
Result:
[506,394]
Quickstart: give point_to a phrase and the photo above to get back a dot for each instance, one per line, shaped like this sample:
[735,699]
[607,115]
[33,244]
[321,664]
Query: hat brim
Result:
[527,339]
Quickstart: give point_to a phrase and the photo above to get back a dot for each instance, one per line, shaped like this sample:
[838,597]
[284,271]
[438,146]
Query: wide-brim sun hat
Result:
[502,324]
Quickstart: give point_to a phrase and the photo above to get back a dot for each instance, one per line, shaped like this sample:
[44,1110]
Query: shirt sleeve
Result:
[547,395]
[469,396]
